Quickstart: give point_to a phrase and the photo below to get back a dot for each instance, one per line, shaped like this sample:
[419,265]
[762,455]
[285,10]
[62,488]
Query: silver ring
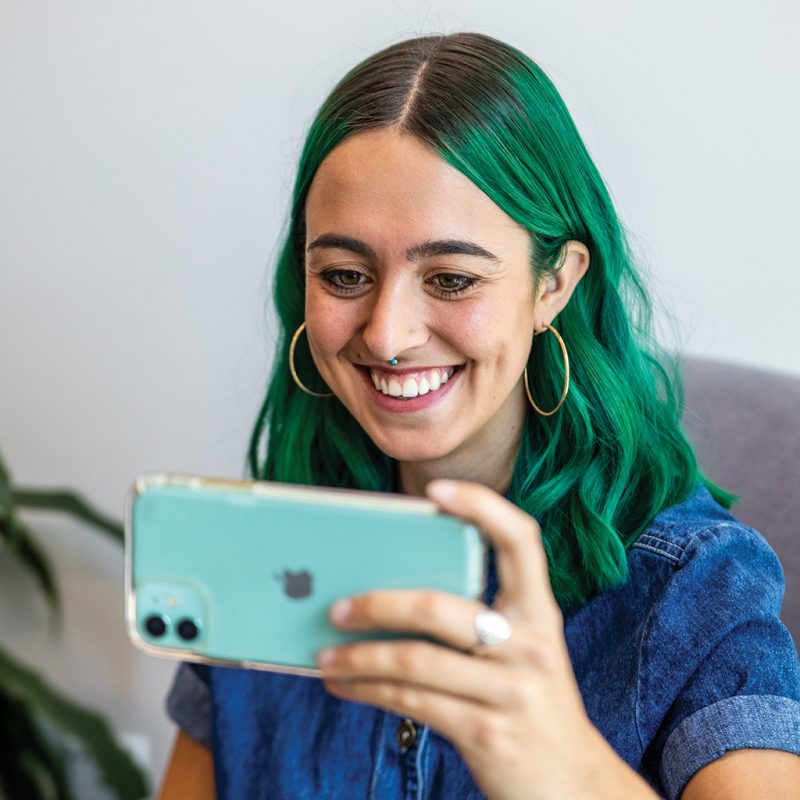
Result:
[492,628]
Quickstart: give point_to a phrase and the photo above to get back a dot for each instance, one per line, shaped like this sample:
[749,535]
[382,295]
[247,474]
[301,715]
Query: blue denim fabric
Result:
[684,662]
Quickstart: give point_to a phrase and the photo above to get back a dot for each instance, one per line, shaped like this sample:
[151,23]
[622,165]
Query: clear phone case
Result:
[243,572]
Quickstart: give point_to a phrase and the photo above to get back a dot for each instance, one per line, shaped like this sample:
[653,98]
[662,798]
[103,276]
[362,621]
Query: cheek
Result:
[329,323]
[495,332]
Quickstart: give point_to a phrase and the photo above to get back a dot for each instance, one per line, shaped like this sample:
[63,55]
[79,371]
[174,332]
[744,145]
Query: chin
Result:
[412,448]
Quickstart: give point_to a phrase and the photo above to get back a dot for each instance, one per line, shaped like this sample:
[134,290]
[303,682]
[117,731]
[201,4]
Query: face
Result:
[406,258]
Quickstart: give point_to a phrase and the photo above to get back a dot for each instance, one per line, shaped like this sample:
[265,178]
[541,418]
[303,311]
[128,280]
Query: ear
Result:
[555,292]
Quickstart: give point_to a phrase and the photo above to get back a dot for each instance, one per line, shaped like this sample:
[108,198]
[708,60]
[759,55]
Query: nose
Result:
[396,322]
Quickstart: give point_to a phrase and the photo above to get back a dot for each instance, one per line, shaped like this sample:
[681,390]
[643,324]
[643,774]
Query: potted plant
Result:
[34,717]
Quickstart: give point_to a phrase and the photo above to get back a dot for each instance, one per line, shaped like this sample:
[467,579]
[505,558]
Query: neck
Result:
[488,462]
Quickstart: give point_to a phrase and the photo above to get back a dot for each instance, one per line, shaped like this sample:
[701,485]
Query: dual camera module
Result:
[187,629]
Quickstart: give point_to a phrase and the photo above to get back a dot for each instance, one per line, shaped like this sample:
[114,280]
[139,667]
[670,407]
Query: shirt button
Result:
[406,735]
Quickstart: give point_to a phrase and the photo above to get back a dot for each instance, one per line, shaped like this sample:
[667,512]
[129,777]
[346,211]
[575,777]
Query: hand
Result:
[514,712]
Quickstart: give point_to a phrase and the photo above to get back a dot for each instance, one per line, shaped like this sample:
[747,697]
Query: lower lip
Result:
[408,406]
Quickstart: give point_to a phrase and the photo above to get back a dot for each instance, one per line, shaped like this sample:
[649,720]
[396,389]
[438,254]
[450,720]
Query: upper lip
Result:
[404,370]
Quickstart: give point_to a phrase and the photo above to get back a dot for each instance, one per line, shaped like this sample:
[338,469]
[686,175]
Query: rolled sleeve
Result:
[189,702]
[745,721]
[719,668]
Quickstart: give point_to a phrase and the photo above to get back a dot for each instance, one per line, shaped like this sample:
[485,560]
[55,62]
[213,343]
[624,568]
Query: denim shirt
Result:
[684,662]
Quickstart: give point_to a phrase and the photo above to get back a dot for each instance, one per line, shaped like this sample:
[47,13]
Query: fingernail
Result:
[325,657]
[340,610]
[441,489]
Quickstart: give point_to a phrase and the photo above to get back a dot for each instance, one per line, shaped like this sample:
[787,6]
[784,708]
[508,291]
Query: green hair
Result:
[595,473]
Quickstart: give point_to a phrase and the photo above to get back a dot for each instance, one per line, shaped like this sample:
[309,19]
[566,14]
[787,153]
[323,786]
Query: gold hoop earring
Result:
[566,376]
[294,372]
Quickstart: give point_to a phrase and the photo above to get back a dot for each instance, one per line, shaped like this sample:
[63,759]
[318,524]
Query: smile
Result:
[410,384]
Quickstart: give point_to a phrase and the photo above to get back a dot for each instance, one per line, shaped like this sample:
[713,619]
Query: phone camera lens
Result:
[156,625]
[188,630]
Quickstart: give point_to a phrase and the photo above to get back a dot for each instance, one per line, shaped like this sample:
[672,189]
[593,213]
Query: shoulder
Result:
[698,542]
[715,584]
[682,531]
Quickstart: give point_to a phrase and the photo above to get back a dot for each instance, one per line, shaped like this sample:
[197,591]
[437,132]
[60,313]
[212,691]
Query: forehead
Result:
[391,186]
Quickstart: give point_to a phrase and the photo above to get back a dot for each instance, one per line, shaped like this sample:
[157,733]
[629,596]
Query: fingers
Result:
[421,665]
[516,537]
[450,620]
[446,617]
[453,717]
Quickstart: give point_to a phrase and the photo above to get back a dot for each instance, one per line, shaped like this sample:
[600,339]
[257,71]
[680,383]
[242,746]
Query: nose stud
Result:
[393,362]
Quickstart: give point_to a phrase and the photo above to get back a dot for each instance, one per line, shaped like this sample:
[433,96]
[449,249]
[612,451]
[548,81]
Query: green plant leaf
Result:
[8,522]
[22,545]
[26,549]
[115,766]
[28,760]
[69,503]
[19,539]
[6,500]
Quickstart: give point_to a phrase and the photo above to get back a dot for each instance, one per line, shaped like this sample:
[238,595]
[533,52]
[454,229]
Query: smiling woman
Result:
[457,301]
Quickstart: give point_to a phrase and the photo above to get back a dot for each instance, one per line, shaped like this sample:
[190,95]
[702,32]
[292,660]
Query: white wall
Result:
[146,152]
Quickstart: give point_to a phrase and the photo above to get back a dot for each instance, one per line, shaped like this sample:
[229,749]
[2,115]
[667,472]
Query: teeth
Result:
[428,381]
[410,388]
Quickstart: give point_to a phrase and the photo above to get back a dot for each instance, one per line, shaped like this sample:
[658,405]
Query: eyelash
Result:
[444,294]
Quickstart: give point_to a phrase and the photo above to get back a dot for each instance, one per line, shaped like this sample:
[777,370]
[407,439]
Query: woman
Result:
[446,215]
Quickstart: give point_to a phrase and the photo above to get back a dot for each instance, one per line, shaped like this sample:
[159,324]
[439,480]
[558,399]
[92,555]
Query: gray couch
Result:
[745,426]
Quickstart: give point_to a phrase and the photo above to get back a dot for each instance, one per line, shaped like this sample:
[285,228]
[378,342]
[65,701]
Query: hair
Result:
[597,472]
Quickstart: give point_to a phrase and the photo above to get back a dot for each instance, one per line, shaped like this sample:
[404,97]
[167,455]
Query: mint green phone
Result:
[243,573]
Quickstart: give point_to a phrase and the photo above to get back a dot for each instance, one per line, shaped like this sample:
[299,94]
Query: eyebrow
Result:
[426,249]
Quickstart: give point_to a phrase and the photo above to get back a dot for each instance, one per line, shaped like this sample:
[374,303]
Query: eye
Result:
[448,284]
[345,280]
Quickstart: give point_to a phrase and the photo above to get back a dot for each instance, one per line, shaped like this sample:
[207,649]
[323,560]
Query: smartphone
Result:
[243,573]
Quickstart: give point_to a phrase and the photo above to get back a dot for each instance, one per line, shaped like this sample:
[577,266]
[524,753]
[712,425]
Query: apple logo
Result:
[296,584]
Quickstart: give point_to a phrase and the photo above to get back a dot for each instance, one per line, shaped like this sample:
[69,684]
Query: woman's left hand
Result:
[513,710]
